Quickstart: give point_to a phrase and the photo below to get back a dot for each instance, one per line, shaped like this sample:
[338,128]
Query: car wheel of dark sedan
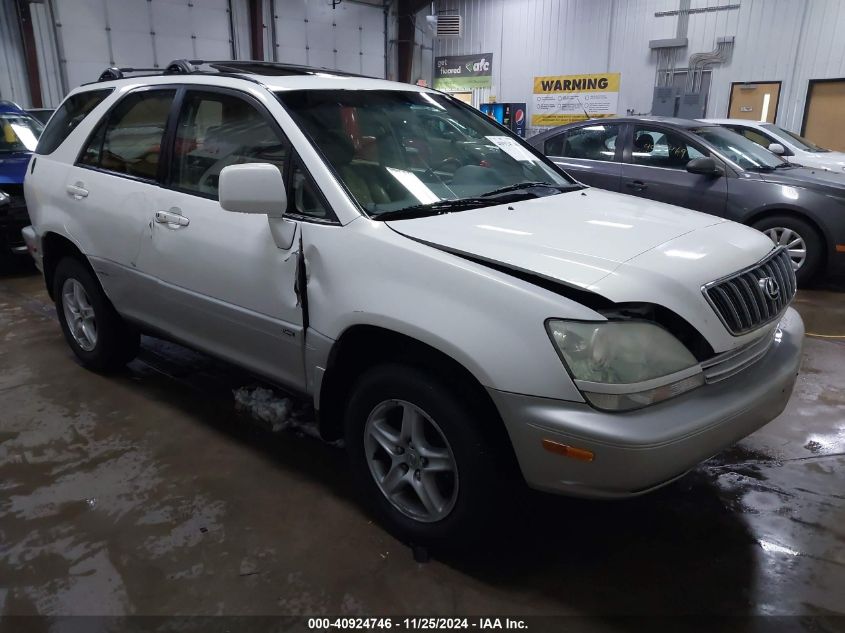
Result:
[805,246]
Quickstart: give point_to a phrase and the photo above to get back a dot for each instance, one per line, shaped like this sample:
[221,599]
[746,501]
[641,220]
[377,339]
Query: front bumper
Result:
[641,450]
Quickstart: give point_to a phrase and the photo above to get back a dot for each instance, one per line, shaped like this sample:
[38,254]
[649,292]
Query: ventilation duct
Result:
[449,26]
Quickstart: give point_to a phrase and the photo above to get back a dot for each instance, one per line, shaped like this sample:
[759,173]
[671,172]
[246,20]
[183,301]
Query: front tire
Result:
[805,245]
[421,459]
[93,329]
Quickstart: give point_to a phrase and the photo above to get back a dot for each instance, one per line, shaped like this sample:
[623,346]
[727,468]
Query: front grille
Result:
[744,300]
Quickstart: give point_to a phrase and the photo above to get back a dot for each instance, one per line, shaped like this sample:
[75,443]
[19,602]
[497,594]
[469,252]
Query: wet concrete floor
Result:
[146,493]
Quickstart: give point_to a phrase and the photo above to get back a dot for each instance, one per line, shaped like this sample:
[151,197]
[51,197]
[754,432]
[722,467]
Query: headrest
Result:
[645,142]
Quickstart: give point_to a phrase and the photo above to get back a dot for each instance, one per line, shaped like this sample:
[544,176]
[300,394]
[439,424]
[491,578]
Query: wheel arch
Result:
[55,247]
[760,214]
[363,346]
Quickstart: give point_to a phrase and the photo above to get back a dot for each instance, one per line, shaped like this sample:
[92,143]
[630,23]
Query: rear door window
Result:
[129,142]
[69,115]
[662,148]
[594,142]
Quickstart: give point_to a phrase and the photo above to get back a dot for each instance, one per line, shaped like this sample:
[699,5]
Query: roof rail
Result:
[249,67]
[176,67]
[256,67]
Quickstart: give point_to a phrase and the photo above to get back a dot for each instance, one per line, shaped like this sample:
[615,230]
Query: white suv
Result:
[460,310]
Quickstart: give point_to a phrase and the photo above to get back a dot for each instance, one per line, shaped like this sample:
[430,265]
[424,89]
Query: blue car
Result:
[19,132]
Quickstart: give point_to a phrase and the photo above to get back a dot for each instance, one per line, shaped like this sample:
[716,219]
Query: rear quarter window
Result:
[70,114]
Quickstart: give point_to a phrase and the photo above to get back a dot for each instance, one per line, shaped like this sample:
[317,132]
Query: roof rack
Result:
[251,67]
[277,69]
[176,67]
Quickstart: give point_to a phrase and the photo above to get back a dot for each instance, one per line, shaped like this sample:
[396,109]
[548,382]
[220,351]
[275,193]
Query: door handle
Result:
[171,219]
[637,185]
[77,190]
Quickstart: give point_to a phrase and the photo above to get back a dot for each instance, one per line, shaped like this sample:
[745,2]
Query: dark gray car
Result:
[712,169]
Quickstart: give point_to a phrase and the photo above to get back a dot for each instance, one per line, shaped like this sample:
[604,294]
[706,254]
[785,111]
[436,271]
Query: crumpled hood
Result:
[622,248]
[577,237]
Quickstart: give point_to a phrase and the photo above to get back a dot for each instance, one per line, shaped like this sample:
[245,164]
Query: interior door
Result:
[224,284]
[590,154]
[824,118]
[754,101]
[655,168]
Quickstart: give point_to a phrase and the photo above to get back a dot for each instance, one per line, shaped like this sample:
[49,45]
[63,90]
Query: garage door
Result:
[95,34]
[349,37]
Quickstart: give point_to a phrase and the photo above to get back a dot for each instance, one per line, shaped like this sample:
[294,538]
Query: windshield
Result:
[397,150]
[747,154]
[20,132]
[799,141]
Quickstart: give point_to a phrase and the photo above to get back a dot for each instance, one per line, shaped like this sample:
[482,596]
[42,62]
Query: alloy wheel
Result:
[79,315]
[411,461]
[794,243]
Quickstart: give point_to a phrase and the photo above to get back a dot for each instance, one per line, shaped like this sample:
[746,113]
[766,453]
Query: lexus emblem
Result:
[770,286]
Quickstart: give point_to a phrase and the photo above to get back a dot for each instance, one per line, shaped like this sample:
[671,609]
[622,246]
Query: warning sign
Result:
[563,99]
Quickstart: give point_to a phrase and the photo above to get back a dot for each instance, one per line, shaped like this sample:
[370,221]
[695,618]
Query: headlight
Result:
[623,365]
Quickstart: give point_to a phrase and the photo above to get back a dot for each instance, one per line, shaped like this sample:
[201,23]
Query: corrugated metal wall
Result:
[776,40]
[13,86]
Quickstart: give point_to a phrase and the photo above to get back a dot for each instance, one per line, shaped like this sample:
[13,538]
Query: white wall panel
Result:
[53,87]
[95,34]
[13,84]
[776,40]
[349,37]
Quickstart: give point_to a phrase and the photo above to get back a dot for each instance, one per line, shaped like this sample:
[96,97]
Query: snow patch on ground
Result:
[276,411]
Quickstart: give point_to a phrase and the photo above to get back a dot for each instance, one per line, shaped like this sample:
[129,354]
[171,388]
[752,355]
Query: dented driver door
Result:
[223,284]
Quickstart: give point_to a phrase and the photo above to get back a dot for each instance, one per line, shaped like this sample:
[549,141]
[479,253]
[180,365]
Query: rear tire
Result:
[96,333]
[806,245]
[450,461]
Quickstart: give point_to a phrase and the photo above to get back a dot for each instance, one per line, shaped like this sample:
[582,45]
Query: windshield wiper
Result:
[435,208]
[529,185]
[491,198]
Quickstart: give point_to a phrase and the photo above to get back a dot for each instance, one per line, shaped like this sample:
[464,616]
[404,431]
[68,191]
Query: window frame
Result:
[164,174]
[169,137]
[689,139]
[618,150]
[104,121]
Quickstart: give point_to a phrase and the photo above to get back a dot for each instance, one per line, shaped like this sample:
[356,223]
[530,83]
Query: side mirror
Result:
[777,148]
[253,188]
[705,166]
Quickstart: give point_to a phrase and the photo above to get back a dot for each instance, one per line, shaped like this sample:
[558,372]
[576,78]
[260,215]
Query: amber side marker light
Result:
[840,248]
[580,454]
